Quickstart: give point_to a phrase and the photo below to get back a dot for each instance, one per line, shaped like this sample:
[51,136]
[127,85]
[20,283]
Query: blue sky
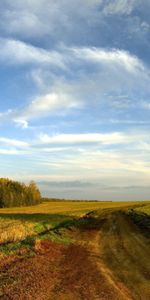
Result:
[75,97]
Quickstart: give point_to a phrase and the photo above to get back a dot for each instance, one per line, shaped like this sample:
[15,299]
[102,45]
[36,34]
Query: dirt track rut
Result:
[111,261]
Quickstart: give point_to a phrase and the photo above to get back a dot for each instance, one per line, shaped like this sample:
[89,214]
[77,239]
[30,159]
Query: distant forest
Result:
[14,193]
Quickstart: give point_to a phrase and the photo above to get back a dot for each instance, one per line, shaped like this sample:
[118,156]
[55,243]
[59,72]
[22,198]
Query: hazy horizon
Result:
[75,97]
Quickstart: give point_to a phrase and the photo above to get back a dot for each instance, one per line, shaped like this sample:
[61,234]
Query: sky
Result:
[75,97]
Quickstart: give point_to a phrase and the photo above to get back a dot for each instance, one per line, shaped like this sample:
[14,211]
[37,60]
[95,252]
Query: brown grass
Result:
[108,260]
[66,207]
[18,223]
[14,230]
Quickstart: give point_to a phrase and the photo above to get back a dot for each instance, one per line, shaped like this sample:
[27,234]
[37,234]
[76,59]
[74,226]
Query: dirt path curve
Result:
[120,289]
[107,262]
[124,257]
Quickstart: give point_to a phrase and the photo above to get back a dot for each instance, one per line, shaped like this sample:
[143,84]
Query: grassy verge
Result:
[145,208]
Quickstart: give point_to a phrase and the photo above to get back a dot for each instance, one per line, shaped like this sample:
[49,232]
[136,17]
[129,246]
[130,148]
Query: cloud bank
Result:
[75,96]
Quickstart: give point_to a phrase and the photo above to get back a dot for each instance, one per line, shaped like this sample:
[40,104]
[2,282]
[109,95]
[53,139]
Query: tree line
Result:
[14,193]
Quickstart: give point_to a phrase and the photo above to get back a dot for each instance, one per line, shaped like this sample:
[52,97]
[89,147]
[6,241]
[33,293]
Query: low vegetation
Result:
[61,249]
[141,217]
[143,208]
[19,223]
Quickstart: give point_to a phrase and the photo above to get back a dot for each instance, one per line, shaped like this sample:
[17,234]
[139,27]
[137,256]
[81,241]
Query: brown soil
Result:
[109,262]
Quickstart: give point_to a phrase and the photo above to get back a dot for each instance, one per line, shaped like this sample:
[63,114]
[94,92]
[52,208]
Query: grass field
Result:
[77,208]
[18,223]
[62,250]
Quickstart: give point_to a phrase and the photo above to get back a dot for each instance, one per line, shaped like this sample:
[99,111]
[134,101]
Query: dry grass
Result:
[14,230]
[65,207]
[18,223]
[106,261]
[104,256]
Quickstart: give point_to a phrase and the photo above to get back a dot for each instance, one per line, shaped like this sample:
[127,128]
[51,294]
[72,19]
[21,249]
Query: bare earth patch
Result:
[109,260]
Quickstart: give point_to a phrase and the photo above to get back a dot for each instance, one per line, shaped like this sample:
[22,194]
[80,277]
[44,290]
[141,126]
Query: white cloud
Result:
[111,73]
[106,139]
[26,22]
[95,161]
[78,85]
[122,7]
[97,165]
[18,52]
[44,17]
[9,152]
[45,105]
[11,146]
[13,142]
[110,58]
[101,165]
[21,123]
[50,102]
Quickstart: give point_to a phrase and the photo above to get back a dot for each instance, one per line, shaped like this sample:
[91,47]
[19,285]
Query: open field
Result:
[75,250]
[77,208]
[18,223]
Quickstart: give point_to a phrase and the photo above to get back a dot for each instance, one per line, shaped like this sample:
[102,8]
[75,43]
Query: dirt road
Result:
[110,259]
[124,256]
